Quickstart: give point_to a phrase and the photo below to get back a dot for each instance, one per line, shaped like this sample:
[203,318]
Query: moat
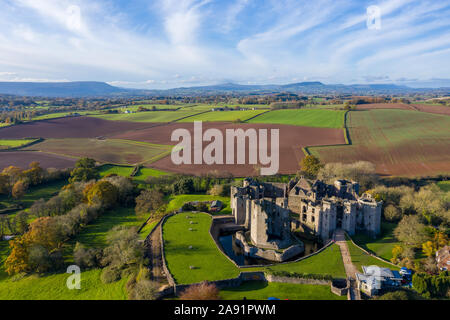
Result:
[236,253]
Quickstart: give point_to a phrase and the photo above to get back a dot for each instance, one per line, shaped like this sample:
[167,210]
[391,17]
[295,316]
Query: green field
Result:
[260,290]
[381,246]
[53,287]
[225,116]
[6,144]
[398,142]
[116,151]
[209,262]
[126,171]
[444,185]
[322,118]
[94,234]
[149,116]
[176,202]
[328,262]
[360,258]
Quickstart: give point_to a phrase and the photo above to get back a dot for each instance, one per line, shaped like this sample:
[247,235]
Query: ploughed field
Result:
[291,141]
[398,142]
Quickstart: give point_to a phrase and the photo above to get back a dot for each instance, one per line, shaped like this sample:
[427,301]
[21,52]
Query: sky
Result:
[177,43]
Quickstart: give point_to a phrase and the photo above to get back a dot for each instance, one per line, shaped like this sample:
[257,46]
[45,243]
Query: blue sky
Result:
[173,43]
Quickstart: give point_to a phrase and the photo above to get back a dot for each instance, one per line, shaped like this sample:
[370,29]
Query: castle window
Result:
[304,217]
[313,210]
[313,219]
[304,208]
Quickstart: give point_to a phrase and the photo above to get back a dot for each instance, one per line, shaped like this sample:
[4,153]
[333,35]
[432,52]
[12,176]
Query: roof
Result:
[380,273]
[371,281]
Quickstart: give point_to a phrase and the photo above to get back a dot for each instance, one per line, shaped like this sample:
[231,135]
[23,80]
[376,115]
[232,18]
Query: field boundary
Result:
[259,114]
[348,141]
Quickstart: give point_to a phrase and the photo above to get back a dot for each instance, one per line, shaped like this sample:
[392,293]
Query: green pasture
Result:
[224,116]
[6,143]
[360,258]
[148,116]
[261,290]
[381,246]
[209,263]
[444,185]
[323,118]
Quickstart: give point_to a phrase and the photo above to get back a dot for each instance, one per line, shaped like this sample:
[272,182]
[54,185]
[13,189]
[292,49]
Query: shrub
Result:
[86,257]
[143,290]
[203,291]
[110,275]
[392,213]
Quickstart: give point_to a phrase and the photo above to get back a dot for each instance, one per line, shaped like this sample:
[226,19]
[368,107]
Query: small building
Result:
[216,206]
[443,258]
[374,279]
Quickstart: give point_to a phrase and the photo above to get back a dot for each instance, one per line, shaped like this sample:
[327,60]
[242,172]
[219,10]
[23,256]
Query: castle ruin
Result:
[270,211]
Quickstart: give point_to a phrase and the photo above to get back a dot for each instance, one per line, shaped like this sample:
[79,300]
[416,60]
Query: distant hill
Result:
[101,89]
[59,89]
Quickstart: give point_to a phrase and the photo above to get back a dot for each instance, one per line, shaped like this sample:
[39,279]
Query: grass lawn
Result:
[144,173]
[149,116]
[260,290]
[322,118]
[6,144]
[53,287]
[209,262]
[381,246]
[224,116]
[444,185]
[328,262]
[115,151]
[360,258]
[176,202]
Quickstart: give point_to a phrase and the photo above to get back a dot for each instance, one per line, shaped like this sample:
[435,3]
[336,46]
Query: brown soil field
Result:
[292,139]
[114,151]
[22,159]
[432,109]
[398,142]
[77,127]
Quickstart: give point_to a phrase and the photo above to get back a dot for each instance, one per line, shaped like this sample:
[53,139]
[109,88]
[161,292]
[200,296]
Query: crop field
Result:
[398,142]
[22,159]
[115,151]
[6,144]
[321,118]
[224,116]
[209,263]
[444,185]
[149,116]
[260,290]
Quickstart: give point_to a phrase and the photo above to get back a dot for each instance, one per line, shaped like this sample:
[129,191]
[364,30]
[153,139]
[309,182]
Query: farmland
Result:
[398,142]
[115,151]
[149,116]
[14,143]
[321,118]
[22,159]
[226,116]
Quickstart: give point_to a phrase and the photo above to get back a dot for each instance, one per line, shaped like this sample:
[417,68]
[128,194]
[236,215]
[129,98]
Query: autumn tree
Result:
[149,201]
[411,231]
[310,166]
[85,170]
[19,189]
[102,192]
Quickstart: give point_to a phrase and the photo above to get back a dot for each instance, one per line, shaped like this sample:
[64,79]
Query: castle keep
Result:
[271,210]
